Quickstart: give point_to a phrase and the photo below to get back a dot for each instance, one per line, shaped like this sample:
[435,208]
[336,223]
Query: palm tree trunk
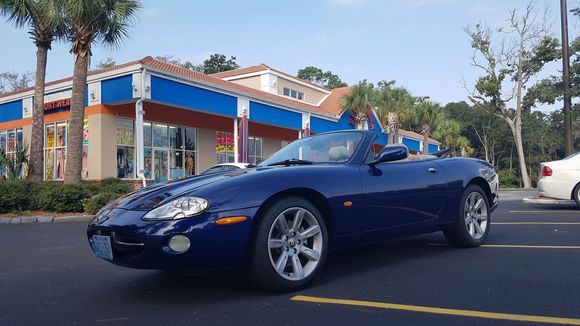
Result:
[396,140]
[74,154]
[425,143]
[36,165]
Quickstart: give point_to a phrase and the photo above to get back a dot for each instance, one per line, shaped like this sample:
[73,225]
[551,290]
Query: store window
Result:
[169,151]
[125,148]
[11,140]
[55,146]
[255,149]
[224,147]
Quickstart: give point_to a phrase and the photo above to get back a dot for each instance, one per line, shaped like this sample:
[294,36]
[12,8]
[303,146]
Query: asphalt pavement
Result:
[528,273]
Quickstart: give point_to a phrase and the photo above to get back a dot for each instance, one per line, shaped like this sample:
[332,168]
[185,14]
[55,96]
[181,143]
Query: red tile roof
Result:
[331,104]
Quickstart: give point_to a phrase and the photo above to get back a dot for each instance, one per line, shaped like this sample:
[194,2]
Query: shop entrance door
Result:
[160,165]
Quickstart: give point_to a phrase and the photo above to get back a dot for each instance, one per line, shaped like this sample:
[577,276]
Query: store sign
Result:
[58,104]
[56,101]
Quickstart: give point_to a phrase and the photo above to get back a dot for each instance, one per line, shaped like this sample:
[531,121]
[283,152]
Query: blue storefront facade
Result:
[150,120]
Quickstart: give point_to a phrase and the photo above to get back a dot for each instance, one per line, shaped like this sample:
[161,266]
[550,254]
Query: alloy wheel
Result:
[295,243]
[475,214]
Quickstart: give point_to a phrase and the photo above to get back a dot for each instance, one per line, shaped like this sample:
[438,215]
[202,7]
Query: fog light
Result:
[179,243]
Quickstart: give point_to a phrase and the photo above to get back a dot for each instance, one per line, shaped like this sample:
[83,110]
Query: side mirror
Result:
[391,153]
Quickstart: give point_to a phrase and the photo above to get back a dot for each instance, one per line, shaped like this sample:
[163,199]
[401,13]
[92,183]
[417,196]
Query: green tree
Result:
[551,89]
[105,63]
[360,101]
[508,65]
[322,78]
[219,63]
[214,64]
[394,106]
[45,24]
[448,132]
[428,115]
[90,21]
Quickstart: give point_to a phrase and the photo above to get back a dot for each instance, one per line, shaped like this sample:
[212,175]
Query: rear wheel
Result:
[473,220]
[290,245]
[576,194]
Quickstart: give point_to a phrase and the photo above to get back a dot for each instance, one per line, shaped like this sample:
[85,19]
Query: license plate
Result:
[102,246]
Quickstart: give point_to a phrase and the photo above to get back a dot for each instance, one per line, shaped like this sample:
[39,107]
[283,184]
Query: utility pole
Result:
[568,138]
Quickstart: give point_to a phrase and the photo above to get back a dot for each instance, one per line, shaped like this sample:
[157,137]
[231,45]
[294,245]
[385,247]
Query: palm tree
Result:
[45,23]
[393,104]
[90,21]
[360,102]
[428,115]
[448,131]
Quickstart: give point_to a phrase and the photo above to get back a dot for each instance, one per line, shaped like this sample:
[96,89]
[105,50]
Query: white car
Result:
[224,167]
[561,179]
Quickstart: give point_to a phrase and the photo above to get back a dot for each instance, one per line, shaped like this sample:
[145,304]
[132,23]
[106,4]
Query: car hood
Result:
[149,197]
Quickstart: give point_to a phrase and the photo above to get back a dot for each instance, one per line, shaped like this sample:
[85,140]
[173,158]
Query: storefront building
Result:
[189,121]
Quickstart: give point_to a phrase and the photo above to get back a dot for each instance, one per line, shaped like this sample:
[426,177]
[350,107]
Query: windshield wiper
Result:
[292,161]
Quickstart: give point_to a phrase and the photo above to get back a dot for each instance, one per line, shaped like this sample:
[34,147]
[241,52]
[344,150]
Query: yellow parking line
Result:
[441,311]
[535,223]
[511,246]
[548,211]
[530,247]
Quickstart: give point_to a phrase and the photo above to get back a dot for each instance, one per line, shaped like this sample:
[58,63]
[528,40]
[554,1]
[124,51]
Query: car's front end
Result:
[171,228]
[199,242]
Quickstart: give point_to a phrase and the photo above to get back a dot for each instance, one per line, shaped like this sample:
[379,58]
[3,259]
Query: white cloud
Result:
[347,3]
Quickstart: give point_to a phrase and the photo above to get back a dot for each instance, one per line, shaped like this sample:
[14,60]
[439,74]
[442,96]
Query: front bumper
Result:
[144,244]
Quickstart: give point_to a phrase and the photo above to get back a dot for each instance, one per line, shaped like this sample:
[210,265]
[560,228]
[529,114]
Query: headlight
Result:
[179,208]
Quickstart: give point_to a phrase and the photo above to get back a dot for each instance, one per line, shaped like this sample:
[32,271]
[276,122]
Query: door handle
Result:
[432,170]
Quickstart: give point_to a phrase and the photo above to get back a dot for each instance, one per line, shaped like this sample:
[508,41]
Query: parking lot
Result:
[528,273]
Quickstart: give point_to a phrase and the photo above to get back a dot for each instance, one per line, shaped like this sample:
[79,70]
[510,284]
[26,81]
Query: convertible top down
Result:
[279,220]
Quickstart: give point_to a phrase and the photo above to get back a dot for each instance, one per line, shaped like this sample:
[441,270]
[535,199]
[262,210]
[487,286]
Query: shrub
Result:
[509,179]
[63,197]
[114,186]
[17,195]
[95,203]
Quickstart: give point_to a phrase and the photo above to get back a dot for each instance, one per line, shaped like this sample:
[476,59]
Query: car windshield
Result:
[326,148]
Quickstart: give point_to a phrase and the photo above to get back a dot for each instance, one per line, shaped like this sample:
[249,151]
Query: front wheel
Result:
[290,246]
[473,220]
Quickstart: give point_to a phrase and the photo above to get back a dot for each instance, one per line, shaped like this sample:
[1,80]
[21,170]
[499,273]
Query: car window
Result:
[336,147]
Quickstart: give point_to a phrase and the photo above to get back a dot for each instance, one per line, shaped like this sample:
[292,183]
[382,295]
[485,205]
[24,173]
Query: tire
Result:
[473,219]
[287,261]
[576,194]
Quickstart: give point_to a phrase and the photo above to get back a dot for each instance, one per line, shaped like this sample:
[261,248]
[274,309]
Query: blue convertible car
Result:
[279,220]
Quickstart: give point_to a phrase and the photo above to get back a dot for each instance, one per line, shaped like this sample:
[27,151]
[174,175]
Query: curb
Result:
[518,189]
[45,219]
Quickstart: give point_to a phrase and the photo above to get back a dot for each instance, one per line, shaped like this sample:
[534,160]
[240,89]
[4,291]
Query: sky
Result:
[419,43]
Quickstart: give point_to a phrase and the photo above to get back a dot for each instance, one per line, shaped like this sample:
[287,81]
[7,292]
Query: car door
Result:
[401,192]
